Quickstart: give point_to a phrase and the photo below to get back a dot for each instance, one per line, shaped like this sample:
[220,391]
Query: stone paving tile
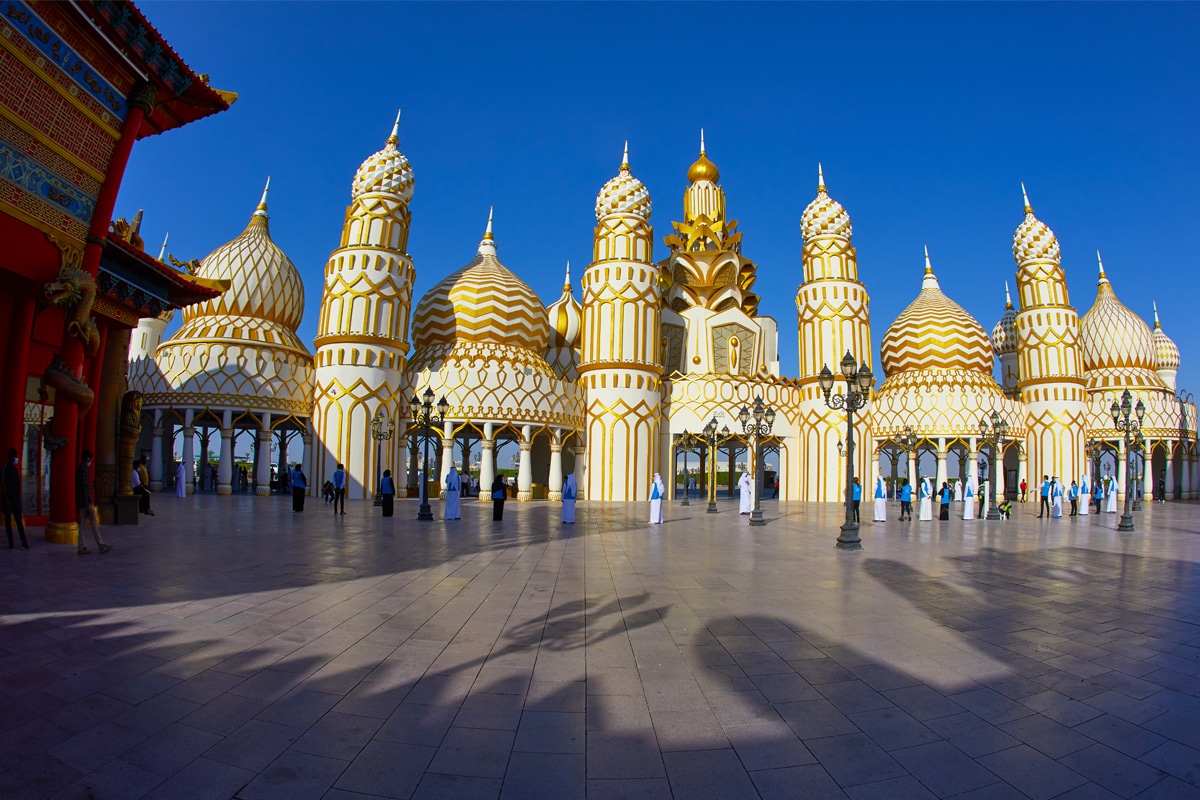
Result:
[1031,772]
[797,783]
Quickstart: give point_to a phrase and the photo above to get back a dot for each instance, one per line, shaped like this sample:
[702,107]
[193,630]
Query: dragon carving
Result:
[66,383]
[74,290]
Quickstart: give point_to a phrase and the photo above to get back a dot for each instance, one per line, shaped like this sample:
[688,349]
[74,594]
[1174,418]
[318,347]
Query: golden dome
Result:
[623,194]
[263,283]
[565,316]
[1113,337]
[1004,334]
[824,216]
[703,169]
[1165,350]
[483,303]
[1033,239]
[935,332]
[386,171]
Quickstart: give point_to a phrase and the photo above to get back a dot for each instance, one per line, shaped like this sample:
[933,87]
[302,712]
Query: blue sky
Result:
[925,116]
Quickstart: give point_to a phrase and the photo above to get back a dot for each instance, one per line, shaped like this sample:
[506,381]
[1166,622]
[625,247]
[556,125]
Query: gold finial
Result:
[1007,297]
[567,280]
[1157,324]
[820,179]
[1103,277]
[1024,194]
[261,211]
[394,139]
[162,252]
[625,158]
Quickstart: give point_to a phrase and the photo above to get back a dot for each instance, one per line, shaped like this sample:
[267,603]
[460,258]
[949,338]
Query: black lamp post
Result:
[756,424]
[713,438]
[687,443]
[1132,430]
[993,436]
[423,418]
[859,381]
[380,434]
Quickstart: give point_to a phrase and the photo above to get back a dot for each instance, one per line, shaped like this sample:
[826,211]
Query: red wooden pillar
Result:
[16,370]
[62,527]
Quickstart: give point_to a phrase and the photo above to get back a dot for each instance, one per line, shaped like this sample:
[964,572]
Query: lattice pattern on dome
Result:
[386,171]
[942,403]
[1034,241]
[1166,352]
[624,194]
[935,332]
[825,216]
[1114,337]
[482,302]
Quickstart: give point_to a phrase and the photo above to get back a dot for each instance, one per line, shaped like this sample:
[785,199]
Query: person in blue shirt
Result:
[1074,495]
[339,489]
[299,489]
[1045,507]
[906,501]
[387,489]
[1098,495]
[857,497]
[946,494]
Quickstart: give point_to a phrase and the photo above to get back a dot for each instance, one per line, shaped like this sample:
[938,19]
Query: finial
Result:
[1103,277]
[567,280]
[1024,194]
[162,252]
[928,266]
[625,158]
[488,233]
[488,245]
[1157,324]
[1007,296]
[820,178]
[702,141]
[394,139]
[261,211]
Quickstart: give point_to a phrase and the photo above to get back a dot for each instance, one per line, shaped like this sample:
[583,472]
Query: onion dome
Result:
[935,332]
[1112,336]
[1004,334]
[565,316]
[1165,350]
[483,303]
[623,194]
[263,282]
[703,169]
[386,171]
[1033,239]
[824,216]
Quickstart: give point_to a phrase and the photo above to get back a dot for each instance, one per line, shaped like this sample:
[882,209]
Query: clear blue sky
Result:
[926,118]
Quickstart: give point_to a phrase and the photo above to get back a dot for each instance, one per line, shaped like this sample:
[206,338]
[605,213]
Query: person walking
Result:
[299,488]
[856,495]
[138,484]
[499,490]
[387,489]
[745,494]
[1074,495]
[453,508]
[570,493]
[1024,488]
[339,489]
[1056,497]
[906,490]
[969,498]
[925,508]
[10,478]
[657,490]
[86,506]
[1044,508]
[1098,495]
[880,498]
[180,480]
[946,494]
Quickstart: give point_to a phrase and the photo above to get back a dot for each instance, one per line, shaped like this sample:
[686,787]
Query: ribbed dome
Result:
[263,282]
[565,316]
[1004,334]
[824,216]
[1113,337]
[1165,350]
[386,171]
[1033,239]
[623,194]
[484,303]
[703,169]
[935,332]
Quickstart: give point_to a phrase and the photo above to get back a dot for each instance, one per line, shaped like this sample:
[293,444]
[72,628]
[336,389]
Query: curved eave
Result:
[182,289]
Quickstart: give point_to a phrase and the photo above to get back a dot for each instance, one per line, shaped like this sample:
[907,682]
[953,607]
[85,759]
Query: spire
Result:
[567,280]
[1025,195]
[1007,297]
[487,247]
[702,141]
[625,158]
[928,266]
[930,280]
[261,211]
[1103,277]
[820,179]
[162,252]
[394,139]
[1157,324]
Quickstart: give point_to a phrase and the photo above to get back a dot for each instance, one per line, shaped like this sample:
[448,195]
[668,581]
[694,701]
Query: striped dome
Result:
[386,171]
[1004,334]
[824,216]
[1113,337]
[935,332]
[483,303]
[565,316]
[624,194]
[1165,349]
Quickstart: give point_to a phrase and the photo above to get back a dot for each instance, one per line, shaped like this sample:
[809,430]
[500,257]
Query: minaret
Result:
[362,334]
[1050,359]
[833,315]
[1004,345]
[620,359]
[1166,353]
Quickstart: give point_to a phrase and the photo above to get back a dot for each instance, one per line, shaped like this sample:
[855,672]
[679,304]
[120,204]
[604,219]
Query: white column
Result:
[972,466]
[1023,471]
[447,456]
[999,477]
[414,470]
[305,459]
[1169,494]
[941,469]
[487,464]
[189,451]
[1120,476]
[912,470]
[1186,479]
[554,491]
[580,469]
[1149,490]
[525,474]
[263,479]
[156,453]
[225,463]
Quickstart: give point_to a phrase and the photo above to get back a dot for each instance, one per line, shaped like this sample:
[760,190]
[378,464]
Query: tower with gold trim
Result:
[621,356]
[362,334]
[1051,380]
[833,315]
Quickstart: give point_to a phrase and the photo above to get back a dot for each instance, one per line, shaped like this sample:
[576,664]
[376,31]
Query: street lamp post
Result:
[713,438]
[757,423]
[1132,430]
[423,417]
[993,436]
[380,434]
[687,443]
[859,381]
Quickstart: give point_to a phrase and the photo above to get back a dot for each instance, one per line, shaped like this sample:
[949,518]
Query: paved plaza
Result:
[228,648]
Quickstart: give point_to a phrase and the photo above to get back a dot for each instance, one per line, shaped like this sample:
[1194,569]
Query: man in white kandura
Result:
[969,499]
[1111,508]
[958,491]
[880,498]
[1056,497]
[745,494]
[657,490]
[1085,495]
[925,510]
[569,494]
[453,507]
[180,480]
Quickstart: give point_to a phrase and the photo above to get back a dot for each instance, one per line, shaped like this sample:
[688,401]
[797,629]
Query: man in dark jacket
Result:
[10,477]
[87,508]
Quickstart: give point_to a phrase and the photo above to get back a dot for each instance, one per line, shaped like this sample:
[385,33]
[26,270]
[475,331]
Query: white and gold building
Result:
[606,385]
